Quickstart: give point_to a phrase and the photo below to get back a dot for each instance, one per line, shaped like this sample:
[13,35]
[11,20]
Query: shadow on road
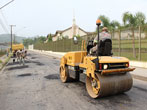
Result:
[115,100]
[139,88]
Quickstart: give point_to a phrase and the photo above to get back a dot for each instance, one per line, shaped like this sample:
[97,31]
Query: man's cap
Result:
[104,29]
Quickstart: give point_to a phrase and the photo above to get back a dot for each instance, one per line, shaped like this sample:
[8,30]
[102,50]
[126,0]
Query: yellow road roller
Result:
[104,74]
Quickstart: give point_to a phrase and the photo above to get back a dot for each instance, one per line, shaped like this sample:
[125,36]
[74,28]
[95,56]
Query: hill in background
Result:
[5,38]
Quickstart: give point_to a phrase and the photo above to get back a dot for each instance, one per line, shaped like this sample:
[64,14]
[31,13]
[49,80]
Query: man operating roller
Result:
[104,35]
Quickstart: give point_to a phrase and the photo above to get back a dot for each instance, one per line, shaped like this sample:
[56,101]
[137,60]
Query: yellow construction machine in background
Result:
[105,75]
[16,47]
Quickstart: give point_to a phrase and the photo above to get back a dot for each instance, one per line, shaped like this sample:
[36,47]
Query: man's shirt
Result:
[103,36]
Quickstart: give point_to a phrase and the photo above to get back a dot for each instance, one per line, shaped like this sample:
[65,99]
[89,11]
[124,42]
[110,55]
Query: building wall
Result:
[128,35]
[54,38]
[31,47]
[81,33]
[77,31]
[67,33]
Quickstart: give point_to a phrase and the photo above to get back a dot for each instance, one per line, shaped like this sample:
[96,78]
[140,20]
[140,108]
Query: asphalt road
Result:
[36,86]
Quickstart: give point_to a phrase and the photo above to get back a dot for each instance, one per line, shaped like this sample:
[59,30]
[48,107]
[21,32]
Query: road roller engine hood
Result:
[108,64]
[108,59]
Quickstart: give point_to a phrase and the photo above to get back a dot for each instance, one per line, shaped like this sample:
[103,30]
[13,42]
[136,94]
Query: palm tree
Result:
[114,24]
[140,18]
[105,20]
[130,20]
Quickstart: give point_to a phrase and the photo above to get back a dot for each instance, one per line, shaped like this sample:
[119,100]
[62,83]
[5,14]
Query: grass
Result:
[129,44]
[2,53]
[129,55]
[5,62]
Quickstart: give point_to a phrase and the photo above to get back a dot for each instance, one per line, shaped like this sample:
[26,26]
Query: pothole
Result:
[40,64]
[24,75]
[33,57]
[52,76]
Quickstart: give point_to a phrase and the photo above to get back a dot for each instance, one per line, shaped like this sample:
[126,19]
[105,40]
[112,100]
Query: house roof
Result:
[61,31]
[82,30]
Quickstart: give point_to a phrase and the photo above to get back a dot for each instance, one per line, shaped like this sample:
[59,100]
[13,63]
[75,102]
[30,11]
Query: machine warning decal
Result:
[116,57]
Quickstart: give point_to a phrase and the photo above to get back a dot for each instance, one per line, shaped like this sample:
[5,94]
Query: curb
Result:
[138,64]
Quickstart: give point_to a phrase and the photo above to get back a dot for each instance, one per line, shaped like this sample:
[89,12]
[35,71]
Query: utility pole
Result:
[11,26]
[14,38]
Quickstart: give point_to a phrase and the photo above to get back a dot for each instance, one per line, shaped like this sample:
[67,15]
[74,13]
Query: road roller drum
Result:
[105,85]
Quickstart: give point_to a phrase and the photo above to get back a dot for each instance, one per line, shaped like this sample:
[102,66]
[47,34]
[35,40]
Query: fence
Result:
[130,42]
[124,44]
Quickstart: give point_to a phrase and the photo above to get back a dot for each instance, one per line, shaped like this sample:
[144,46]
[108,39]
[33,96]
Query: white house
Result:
[74,30]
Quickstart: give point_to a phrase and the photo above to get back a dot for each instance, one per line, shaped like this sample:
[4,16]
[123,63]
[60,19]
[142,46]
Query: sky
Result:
[41,17]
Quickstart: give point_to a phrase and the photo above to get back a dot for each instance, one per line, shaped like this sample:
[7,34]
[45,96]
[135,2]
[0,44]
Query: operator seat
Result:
[105,48]
[89,45]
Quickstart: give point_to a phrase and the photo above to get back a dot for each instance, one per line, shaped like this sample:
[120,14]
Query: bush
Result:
[2,53]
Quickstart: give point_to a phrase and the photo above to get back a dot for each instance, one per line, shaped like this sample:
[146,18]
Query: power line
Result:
[20,29]
[6,4]
[3,26]
[5,20]
[5,23]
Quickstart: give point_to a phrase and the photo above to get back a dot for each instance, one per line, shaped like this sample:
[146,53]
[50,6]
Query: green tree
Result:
[41,39]
[130,20]
[140,18]
[49,36]
[28,41]
[105,20]
[111,25]
[114,25]
[133,21]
